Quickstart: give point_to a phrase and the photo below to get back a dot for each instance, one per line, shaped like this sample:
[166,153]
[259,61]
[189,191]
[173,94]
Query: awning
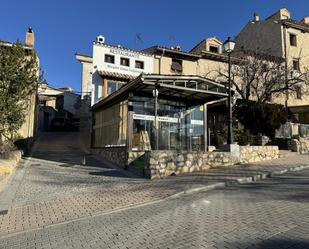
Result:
[192,89]
[116,76]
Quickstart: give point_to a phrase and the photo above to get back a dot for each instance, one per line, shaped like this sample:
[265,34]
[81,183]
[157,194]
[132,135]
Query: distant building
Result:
[86,62]
[56,103]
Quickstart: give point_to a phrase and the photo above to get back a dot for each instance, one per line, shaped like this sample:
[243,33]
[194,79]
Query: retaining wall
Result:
[250,154]
[115,155]
[165,163]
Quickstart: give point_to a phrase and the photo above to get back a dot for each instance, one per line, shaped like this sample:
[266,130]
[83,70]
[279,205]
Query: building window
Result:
[213,49]
[293,41]
[125,62]
[176,65]
[139,64]
[296,64]
[109,58]
[113,86]
[298,92]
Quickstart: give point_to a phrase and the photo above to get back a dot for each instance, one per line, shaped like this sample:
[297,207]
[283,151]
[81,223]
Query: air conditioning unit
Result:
[100,39]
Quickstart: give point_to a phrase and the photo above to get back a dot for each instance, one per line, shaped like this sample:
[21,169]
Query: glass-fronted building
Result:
[156,112]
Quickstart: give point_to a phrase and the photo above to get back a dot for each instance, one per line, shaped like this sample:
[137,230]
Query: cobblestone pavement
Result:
[52,187]
[268,214]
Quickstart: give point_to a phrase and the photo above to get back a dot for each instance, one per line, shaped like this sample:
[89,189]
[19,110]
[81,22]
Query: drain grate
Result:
[3,212]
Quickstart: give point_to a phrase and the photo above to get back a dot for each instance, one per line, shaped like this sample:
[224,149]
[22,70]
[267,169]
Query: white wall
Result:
[99,51]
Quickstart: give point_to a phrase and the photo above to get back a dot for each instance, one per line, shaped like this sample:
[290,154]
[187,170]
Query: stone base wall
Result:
[300,145]
[166,163]
[250,154]
[115,155]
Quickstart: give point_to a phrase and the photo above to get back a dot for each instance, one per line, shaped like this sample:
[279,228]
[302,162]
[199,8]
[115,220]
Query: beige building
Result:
[205,59]
[282,36]
[86,63]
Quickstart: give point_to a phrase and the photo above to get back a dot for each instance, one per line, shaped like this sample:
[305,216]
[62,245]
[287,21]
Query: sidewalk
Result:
[123,195]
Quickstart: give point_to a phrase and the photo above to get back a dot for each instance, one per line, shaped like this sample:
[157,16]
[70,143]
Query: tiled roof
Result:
[117,76]
[296,24]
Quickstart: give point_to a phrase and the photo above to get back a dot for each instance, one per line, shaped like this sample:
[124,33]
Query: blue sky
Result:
[63,27]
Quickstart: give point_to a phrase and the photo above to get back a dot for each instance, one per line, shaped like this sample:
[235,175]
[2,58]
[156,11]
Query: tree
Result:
[261,118]
[18,82]
[262,77]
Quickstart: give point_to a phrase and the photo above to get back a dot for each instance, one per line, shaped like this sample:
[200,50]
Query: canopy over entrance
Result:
[193,90]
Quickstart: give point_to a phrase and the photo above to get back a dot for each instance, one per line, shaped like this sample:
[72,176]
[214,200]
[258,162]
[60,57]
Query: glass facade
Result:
[179,127]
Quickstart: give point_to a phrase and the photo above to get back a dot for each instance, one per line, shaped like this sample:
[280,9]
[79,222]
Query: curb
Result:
[241,180]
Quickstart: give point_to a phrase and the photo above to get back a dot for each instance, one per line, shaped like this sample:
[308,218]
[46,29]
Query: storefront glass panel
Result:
[179,128]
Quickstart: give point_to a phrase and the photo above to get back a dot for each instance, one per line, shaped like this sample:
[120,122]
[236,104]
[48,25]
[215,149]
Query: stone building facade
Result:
[282,36]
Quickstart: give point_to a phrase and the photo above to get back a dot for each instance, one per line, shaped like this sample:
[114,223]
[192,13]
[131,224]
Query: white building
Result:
[112,66]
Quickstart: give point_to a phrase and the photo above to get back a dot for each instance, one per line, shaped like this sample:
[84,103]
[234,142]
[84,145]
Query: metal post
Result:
[230,118]
[205,127]
[155,119]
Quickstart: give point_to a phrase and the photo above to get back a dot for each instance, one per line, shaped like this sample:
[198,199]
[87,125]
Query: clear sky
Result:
[64,27]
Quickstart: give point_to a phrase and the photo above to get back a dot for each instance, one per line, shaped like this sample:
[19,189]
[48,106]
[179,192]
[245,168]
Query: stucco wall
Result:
[28,129]
[86,78]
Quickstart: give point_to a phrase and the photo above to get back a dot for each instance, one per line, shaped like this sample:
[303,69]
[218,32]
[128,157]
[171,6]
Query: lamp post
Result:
[228,46]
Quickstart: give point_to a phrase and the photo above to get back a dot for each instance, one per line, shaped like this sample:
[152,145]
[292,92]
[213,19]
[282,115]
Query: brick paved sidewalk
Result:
[40,214]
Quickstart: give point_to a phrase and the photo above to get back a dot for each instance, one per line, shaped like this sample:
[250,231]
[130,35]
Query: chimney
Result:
[306,20]
[256,17]
[29,38]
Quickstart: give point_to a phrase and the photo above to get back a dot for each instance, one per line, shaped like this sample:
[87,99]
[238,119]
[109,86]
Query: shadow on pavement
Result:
[293,187]
[273,243]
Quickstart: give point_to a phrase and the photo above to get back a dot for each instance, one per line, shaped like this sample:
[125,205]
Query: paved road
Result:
[269,214]
[54,202]
[55,171]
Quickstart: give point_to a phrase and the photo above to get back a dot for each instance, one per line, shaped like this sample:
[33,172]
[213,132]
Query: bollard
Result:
[84,160]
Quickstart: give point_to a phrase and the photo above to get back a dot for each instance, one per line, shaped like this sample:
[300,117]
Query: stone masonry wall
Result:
[165,163]
[300,145]
[250,154]
[116,155]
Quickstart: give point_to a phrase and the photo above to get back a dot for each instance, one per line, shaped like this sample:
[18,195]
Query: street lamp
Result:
[228,46]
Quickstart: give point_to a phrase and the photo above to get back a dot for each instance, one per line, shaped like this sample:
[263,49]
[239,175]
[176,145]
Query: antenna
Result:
[171,39]
[138,38]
